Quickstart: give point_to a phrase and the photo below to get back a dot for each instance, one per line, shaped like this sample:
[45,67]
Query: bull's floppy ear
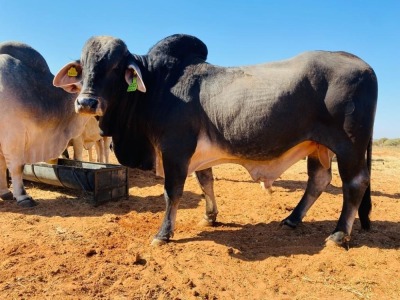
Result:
[134,71]
[69,77]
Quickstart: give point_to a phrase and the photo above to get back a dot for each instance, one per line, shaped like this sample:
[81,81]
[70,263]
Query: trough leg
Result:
[318,179]
[206,181]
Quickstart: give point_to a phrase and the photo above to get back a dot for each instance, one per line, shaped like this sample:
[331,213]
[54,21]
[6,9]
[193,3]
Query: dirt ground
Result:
[67,249]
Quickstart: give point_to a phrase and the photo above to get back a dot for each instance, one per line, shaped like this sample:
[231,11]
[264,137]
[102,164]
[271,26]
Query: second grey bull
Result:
[172,110]
[36,119]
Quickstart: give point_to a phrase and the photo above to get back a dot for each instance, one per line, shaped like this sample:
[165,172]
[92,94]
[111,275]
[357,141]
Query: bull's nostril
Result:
[92,103]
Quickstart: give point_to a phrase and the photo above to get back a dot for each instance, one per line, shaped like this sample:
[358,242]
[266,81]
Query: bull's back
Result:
[25,54]
[27,90]
[265,109]
[254,109]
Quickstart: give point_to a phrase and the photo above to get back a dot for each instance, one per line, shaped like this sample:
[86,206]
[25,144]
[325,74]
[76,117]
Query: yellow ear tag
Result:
[133,86]
[72,72]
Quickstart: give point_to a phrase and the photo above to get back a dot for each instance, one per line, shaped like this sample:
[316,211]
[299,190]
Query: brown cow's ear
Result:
[134,71]
[69,78]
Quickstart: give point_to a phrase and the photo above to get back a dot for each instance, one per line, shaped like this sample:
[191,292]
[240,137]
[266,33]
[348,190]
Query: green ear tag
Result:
[133,86]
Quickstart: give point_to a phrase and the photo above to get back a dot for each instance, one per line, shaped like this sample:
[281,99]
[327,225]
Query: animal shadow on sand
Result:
[250,242]
[293,185]
[256,242]
[80,203]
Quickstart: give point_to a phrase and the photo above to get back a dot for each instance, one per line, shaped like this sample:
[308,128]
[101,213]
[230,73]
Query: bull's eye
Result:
[117,68]
[114,71]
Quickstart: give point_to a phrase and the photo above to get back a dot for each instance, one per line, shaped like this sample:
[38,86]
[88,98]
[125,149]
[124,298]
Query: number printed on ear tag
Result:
[133,86]
[72,72]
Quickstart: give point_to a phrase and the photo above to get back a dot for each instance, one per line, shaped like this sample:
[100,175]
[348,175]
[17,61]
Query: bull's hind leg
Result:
[318,179]
[13,151]
[366,205]
[5,193]
[356,179]
[206,182]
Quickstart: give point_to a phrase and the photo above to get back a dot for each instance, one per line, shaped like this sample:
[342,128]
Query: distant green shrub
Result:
[380,142]
[392,142]
[383,142]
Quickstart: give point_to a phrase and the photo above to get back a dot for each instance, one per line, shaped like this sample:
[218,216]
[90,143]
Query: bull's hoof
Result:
[288,224]
[7,196]
[338,238]
[158,243]
[27,202]
[206,223]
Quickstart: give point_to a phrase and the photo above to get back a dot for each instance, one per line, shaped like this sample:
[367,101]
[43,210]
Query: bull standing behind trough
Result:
[36,119]
[91,137]
[172,110]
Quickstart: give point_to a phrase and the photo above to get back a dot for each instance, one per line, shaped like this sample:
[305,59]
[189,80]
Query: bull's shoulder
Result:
[26,55]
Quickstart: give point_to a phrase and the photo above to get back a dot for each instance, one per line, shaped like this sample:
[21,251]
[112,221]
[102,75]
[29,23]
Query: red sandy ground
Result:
[66,249]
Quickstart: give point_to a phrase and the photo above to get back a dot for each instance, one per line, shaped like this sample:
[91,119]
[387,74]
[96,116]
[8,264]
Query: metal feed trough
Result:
[104,181]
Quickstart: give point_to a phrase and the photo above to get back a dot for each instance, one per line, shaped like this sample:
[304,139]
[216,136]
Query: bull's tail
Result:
[366,205]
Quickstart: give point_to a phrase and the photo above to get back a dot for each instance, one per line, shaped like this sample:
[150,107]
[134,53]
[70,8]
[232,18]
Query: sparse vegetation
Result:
[387,142]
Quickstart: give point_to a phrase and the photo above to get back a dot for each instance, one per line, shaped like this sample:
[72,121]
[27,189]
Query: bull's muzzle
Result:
[88,105]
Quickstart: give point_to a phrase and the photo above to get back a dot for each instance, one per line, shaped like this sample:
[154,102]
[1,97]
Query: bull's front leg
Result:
[77,144]
[175,176]
[206,182]
[20,194]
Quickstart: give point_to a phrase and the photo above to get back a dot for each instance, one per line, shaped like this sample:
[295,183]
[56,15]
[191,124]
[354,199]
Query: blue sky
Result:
[235,32]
